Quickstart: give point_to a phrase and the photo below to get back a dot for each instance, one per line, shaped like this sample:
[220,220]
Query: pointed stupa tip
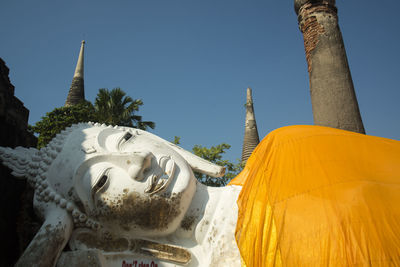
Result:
[249,99]
[79,64]
[251,138]
[77,91]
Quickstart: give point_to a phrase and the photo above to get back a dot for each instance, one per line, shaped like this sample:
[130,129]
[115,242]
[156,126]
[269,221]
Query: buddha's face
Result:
[132,182]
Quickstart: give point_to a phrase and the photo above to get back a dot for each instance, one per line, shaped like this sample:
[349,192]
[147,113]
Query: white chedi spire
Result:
[79,64]
[77,91]
[251,138]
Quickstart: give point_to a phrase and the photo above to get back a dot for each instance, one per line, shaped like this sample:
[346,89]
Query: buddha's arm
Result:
[46,246]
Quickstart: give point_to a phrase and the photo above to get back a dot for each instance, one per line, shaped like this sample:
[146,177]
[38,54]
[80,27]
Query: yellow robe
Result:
[318,196]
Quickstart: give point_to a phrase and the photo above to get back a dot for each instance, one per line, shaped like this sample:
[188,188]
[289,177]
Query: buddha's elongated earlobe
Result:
[196,163]
[199,164]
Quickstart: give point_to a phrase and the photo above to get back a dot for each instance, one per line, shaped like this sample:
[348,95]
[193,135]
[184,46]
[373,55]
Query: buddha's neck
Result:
[209,227]
[210,207]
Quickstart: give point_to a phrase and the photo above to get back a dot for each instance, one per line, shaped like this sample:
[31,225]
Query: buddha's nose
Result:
[141,162]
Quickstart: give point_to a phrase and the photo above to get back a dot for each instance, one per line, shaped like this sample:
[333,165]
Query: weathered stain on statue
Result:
[106,244]
[188,222]
[147,212]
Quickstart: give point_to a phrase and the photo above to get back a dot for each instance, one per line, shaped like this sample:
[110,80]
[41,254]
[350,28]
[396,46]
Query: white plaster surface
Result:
[127,197]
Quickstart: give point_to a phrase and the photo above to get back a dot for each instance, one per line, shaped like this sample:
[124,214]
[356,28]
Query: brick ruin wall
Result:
[311,28]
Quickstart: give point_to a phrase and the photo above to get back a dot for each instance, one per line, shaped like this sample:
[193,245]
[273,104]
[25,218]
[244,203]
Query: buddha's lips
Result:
[158,183]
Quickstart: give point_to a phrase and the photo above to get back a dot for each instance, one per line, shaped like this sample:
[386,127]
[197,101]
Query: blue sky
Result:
[191,61]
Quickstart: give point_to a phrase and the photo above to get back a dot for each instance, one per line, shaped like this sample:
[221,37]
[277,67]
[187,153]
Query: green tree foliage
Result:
[60,118]
[177,140]
[214,154]
[111,107]
[116,108]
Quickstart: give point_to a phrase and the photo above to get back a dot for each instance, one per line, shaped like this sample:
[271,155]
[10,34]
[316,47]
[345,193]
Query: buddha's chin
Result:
[167,213]
[136,214]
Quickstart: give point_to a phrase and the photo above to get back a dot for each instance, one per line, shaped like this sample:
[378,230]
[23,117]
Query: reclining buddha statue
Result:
[118,196]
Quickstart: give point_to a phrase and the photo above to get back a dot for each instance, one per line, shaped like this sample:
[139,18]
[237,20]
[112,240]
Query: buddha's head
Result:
[122,179]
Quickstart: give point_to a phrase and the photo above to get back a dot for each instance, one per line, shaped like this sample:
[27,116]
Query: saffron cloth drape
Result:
[318,196]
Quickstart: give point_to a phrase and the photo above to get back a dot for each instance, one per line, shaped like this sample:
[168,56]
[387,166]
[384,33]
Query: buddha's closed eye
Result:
[126,137]
[102,181]
[100,184]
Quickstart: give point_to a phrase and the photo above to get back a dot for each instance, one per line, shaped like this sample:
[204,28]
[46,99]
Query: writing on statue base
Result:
[135,263]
